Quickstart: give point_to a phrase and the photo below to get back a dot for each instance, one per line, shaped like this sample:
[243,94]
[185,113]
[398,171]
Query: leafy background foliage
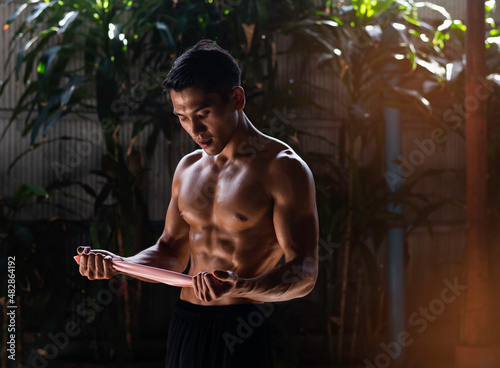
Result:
[93,57]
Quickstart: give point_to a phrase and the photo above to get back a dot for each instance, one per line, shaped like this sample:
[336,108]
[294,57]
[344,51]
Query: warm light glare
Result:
[337,52]
[5,27]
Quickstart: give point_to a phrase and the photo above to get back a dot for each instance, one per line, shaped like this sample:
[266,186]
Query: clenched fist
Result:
[96,263]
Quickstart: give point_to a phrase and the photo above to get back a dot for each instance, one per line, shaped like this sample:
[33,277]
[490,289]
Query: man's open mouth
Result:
[205,143]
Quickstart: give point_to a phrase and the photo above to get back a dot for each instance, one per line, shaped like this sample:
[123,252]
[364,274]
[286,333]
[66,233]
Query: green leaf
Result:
[54,118]
[67,20]
[43,115]
[38,191]
[20,55]
[165,34]
[14,15]
[37,10]
[25,192]
[103,195]
[73,83]
[2,86]
[45,61]
[35,146]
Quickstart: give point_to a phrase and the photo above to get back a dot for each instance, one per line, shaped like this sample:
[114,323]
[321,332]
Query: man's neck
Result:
[243,130]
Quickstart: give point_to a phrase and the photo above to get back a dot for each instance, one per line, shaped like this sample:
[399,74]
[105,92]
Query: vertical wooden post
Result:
[476,310]
[476,347]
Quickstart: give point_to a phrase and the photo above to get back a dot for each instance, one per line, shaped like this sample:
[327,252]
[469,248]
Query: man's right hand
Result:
[96,263]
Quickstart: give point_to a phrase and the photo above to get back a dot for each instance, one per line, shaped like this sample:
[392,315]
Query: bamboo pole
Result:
[477,304]
[359,286]
[345,271]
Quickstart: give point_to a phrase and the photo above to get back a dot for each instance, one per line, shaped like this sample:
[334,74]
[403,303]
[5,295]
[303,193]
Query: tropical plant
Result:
[109,57]
[380,51]
[104,61]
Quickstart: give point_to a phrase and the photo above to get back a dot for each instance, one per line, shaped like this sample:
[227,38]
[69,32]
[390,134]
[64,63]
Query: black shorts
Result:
[225,336]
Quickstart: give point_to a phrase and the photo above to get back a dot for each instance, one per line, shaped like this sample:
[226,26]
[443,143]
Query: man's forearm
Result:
[156,256]
[293,279]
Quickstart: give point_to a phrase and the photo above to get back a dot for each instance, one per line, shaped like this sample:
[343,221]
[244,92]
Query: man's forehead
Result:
[192,98]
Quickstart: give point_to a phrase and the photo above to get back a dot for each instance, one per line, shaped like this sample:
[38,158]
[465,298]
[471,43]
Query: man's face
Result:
[207,119]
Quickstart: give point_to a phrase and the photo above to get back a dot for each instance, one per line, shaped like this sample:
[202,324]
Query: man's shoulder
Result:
[189,160]
[289,178]
[285,159]
[285,165]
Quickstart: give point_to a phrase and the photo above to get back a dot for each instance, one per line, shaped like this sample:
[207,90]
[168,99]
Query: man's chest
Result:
[234,196]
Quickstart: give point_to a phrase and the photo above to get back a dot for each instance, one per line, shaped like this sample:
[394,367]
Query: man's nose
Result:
[197,127]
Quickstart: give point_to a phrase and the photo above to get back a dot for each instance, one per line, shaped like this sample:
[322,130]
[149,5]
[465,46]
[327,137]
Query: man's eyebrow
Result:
[201,107]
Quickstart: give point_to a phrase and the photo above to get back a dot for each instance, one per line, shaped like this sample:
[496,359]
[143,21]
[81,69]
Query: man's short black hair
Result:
[207,66]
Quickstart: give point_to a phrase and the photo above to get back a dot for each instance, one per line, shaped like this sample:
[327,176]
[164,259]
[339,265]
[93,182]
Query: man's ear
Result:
[238,96]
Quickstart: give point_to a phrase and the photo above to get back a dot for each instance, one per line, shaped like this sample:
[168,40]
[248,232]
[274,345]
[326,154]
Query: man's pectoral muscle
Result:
[235,232]
[280,218]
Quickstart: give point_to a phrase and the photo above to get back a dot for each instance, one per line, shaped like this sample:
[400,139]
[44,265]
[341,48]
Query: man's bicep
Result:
[296,233]
[295,214]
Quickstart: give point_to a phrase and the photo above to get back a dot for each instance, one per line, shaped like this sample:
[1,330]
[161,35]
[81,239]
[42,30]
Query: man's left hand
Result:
[212,286]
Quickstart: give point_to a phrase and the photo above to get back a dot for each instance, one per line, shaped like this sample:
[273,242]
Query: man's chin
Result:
[210,150]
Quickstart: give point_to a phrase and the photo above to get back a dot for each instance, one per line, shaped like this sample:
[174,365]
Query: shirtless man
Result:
[238,205]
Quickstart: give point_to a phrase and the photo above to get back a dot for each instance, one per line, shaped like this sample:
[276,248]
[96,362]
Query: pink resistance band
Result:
[152,273]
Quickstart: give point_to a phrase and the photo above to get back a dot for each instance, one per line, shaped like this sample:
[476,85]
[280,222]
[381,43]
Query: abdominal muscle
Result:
[244,255]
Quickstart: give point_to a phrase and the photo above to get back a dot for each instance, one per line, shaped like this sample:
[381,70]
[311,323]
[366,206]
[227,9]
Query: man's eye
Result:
[204,115]
[183,118]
